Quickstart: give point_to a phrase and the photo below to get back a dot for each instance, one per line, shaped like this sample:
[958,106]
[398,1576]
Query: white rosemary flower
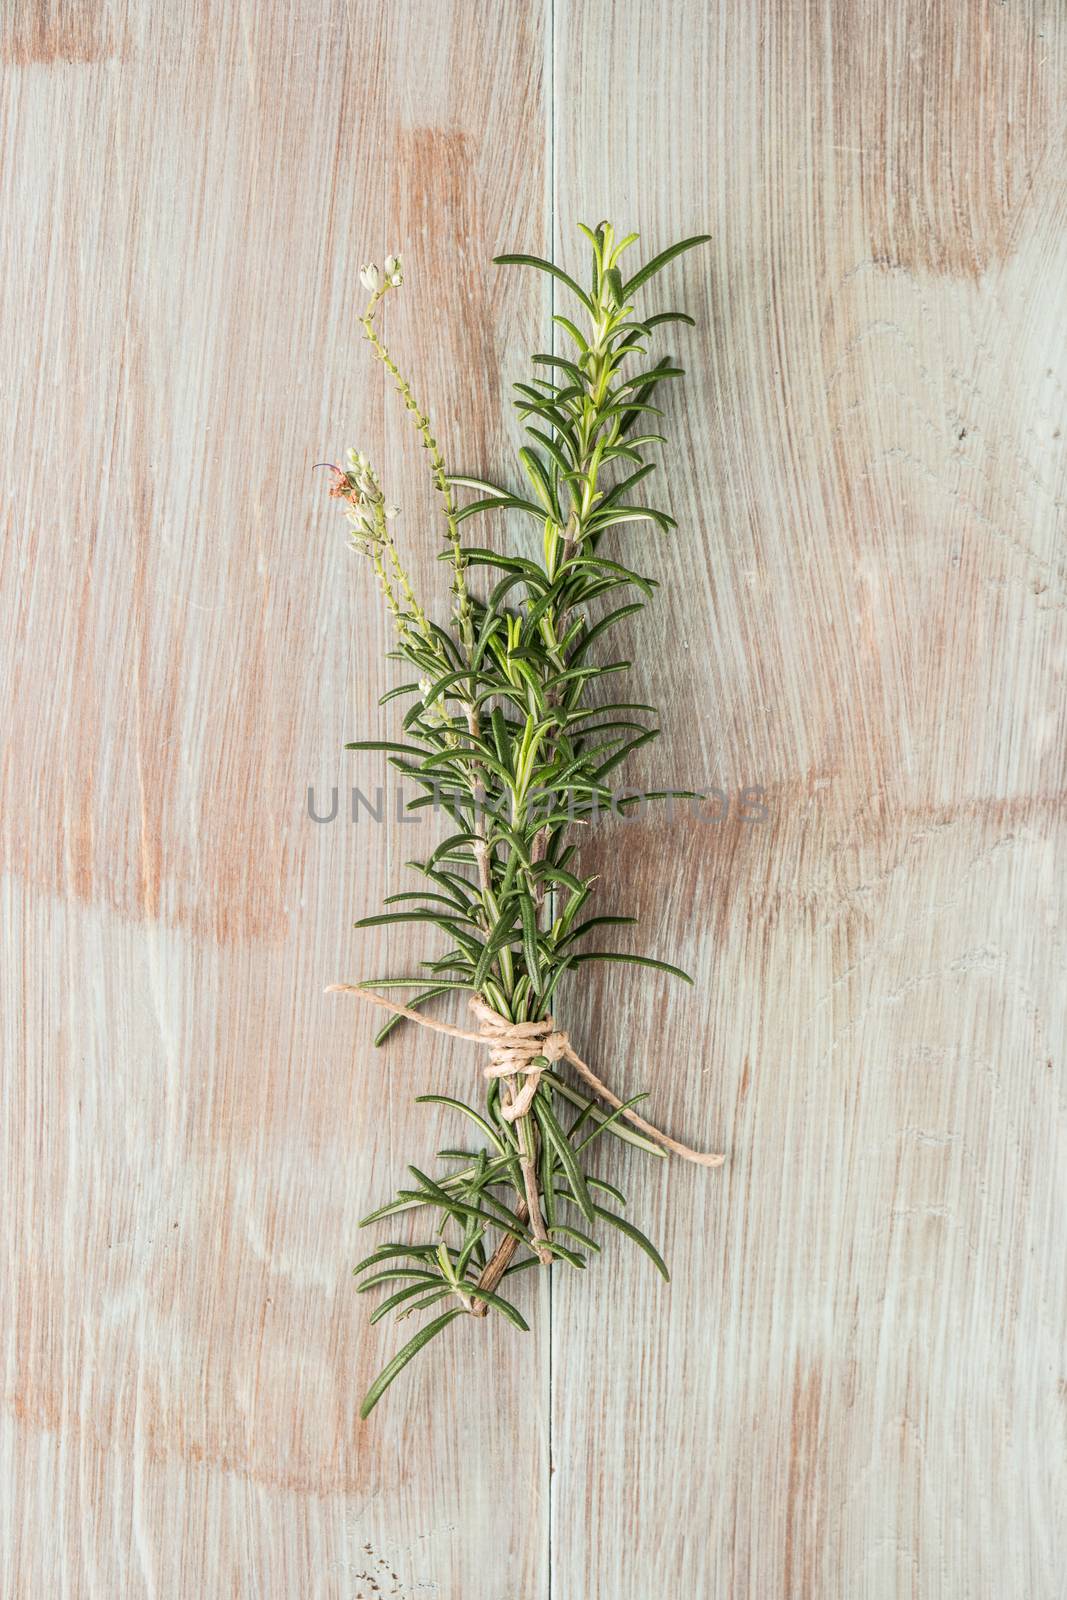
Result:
[394,271]
[370,277]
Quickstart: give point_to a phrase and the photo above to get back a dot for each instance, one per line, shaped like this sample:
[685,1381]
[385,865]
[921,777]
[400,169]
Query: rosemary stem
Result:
[528,1167]
[498,1262]
[508,713]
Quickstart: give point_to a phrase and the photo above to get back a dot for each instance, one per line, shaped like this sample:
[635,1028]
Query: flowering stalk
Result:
[509,729]
[379,287]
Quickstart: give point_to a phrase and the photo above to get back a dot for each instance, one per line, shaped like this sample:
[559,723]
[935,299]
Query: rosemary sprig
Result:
[508,732]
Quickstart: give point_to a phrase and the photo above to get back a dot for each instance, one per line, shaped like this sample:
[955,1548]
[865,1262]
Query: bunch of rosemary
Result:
[510,732]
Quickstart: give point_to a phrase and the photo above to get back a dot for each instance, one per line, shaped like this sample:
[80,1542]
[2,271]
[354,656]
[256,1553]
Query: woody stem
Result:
[528,1167]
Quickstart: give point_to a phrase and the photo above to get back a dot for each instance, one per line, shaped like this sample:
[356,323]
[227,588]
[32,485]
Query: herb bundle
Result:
[513,731]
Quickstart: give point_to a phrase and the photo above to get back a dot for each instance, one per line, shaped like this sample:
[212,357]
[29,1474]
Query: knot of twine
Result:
[518,1049]
[525,1049]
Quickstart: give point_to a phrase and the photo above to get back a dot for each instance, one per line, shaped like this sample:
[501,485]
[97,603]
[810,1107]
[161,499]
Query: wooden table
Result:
[856,1384]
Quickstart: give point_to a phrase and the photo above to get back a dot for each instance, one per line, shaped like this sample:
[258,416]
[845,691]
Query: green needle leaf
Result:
[402,1357]
[498,1303]
[564,1150]
[550,267]
[638,1238]
[635,961]
[529,943]
[398,1299]
[468,1111]
[657,263]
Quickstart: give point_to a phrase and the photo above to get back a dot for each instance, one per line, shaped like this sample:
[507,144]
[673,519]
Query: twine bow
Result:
[525,1049]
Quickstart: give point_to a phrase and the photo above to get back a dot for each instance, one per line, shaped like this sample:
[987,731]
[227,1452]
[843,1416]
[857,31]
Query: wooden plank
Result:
[855,1383]
[191,1129]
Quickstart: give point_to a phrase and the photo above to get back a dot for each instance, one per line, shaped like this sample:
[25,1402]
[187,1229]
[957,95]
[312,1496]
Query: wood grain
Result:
[191,1128]
[855,1384]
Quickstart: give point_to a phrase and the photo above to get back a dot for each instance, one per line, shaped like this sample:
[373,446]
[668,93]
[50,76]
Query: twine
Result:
[525,1049]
